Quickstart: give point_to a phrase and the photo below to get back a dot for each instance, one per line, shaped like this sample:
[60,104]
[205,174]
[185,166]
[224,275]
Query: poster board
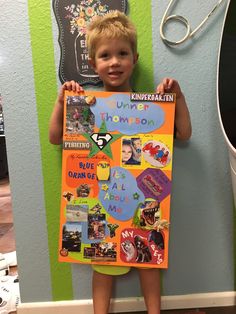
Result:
[116,178]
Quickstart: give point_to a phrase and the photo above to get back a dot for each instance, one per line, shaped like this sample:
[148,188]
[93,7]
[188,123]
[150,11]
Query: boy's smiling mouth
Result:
[115,73]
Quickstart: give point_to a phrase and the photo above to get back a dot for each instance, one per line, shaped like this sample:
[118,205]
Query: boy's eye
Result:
[124,53]
[104,55]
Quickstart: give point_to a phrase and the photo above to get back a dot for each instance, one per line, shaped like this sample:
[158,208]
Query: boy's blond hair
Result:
[112,25]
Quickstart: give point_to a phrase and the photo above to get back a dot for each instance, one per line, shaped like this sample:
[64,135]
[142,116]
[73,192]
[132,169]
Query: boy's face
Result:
[114,63]
[126,152]
[137,144]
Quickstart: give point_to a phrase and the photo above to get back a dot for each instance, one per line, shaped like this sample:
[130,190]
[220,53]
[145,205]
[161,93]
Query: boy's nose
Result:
[115,61]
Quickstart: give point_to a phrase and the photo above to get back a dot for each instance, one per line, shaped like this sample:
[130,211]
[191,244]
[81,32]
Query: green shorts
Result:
[111,270]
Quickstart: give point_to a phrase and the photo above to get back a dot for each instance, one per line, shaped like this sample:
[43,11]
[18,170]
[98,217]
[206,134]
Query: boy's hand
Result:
[56,121]
[70,86]
[169,85]
[182,117]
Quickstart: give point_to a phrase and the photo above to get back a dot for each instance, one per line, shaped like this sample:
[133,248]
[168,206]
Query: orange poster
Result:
[116,178]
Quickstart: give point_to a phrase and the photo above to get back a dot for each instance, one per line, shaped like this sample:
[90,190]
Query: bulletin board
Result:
[116,178]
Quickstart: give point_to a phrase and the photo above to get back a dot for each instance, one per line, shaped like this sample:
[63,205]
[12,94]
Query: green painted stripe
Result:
[140,12]
[46,90]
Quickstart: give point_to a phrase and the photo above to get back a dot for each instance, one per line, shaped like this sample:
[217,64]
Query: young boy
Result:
[137,148]
[112,46]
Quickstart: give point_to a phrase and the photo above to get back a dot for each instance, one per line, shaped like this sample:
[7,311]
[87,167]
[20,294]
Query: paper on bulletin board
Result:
[116,178]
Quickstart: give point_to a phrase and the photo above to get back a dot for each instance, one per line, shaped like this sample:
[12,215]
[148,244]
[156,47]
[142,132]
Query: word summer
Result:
[127,120]
[152,97]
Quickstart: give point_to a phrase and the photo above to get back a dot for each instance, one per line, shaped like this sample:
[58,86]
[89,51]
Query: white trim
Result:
[216,299]
[200,300]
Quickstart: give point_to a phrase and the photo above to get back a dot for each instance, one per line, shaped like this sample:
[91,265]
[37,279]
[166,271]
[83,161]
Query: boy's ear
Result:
[92,64]
[136,56]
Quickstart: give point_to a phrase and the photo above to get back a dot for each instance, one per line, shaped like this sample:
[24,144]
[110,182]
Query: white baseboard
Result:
[189,301]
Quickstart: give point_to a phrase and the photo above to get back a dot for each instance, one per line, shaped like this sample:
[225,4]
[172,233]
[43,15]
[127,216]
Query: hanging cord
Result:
[184,21]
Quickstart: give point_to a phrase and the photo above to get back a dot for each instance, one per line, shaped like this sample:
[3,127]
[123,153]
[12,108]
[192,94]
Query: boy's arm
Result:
[182,117]
[56,121]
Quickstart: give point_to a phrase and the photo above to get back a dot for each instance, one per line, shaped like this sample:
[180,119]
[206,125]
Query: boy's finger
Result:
[168,82]
[79,88]
[64,86]
[160,89]
[73,86]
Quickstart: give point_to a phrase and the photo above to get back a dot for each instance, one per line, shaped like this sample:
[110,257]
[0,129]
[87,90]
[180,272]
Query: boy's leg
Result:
[102,285]
[150,284]
[102,288]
